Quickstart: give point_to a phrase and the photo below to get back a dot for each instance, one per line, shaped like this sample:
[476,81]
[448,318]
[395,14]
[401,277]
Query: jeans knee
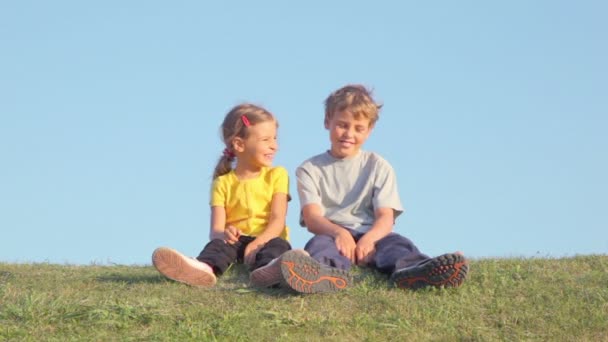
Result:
[319,241]
[280,241]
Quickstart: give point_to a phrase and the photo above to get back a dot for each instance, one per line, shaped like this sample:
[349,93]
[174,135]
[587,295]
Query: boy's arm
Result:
[383,225]
[319,225]
[387,206]
[276,224]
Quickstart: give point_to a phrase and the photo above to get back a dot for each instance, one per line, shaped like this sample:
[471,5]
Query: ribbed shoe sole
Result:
[304,274]
[174,265]
[447,270]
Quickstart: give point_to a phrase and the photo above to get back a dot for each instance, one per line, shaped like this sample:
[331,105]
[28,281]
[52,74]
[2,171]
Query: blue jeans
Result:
[392,252]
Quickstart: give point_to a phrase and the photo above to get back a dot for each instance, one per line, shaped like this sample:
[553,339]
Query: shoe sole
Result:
[448,270]
[173,265]
[304,274]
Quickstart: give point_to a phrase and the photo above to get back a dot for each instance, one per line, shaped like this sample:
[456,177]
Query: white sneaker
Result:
[174,265]
[270,274]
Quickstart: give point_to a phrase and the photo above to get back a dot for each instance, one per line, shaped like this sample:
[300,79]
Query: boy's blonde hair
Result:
[236,124]
[356,99]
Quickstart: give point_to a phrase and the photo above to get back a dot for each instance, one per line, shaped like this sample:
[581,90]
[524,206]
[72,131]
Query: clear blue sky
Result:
[495,118]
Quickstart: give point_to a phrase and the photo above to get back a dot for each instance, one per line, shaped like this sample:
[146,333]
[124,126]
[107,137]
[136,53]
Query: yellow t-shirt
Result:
[247,202]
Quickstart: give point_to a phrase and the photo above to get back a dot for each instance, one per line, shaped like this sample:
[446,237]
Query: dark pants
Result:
[220,255]
[392,252]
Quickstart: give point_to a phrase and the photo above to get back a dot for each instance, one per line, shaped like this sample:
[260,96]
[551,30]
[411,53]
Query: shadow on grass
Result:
[132,279]
[5,276]
[236,280]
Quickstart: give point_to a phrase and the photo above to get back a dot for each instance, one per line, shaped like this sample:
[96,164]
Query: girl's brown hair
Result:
[235,125]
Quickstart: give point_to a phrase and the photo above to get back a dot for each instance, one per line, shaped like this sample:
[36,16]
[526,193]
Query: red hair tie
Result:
[245,121]
[228,153]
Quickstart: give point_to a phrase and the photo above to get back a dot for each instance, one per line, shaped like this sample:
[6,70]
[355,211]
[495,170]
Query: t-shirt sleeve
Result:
[308,191]
[280,181]
[386,192]
[218,193]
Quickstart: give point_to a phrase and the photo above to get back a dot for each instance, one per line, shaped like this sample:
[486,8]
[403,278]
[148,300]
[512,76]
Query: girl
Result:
[248,207]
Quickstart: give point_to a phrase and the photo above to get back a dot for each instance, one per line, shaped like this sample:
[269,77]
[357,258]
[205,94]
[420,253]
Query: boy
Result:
[349,200]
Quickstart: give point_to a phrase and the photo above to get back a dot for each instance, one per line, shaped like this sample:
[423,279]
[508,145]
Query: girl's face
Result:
[347,134]
[259,148]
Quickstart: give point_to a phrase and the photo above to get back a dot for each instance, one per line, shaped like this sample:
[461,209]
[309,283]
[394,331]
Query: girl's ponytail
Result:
[224,165]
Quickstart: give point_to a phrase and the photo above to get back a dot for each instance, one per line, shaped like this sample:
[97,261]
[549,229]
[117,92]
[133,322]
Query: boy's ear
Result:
[238,144]
[326,122]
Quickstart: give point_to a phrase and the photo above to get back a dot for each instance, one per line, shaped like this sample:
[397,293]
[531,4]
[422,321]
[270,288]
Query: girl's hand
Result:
[231,235]
[346,245]
[251,251]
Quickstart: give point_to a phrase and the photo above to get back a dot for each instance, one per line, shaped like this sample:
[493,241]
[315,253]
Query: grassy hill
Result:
[503,299]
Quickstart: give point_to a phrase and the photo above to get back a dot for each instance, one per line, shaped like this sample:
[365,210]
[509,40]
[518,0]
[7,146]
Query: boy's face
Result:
[347,134]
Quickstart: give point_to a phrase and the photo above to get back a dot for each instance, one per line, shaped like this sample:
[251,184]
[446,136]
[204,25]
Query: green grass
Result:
[503,299]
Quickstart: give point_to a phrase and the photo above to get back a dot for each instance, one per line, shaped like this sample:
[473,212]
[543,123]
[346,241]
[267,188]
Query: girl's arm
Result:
[218,223]
[276,224]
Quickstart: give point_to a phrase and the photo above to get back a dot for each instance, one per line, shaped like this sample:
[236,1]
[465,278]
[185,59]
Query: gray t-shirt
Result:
[348,190]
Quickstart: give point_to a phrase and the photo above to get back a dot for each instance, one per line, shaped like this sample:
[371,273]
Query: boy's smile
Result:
[347,134]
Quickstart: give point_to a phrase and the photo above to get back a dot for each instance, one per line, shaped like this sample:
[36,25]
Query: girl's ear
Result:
[238,144]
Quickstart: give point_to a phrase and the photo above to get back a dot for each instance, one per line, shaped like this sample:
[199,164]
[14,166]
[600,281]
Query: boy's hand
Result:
[364,251]
[231,235]
[346,245]
[251,251]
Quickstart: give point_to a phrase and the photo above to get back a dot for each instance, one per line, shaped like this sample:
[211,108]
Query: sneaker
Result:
[174,265]
[270,274]
[447,270]
[304,274]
